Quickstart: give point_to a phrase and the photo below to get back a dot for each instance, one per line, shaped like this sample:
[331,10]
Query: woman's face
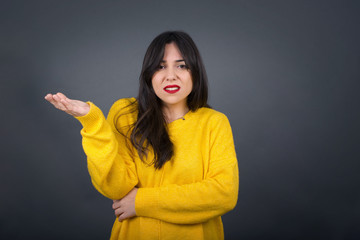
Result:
[172,82]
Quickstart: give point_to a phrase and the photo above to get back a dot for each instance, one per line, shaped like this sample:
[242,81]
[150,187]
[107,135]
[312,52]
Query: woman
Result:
[166,158]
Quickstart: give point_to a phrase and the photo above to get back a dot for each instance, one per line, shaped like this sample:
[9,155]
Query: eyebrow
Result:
[180,60]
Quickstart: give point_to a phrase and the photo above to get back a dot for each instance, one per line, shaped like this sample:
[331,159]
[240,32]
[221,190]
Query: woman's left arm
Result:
[200,201]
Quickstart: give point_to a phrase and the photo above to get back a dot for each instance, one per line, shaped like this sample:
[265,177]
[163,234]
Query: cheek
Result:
[153,81]
[156,80]
[156,84]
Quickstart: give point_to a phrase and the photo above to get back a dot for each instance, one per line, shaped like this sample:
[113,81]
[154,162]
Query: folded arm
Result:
[197,202]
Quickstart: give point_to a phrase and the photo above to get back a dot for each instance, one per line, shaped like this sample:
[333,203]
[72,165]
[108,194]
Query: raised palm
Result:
[75,108]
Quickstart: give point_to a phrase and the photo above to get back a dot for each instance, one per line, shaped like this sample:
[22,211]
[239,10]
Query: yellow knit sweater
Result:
[186,197]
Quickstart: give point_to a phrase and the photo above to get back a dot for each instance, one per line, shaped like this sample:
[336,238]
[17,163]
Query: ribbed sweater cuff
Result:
[146,201]
[91,119]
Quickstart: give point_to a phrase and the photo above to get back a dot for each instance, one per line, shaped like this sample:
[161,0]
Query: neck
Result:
[173,113]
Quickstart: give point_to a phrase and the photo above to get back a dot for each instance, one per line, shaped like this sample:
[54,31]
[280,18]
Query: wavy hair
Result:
[150,128]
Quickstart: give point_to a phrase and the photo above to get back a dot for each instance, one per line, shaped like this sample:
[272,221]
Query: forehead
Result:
[172,52]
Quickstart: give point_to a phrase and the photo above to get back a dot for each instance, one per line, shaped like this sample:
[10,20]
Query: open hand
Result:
[125,207]
[75,108]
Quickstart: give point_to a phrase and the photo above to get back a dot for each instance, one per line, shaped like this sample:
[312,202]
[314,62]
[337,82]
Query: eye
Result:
[161,67]
[183,66]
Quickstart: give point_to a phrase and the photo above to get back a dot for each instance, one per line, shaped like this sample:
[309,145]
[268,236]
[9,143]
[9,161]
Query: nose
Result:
[170,74]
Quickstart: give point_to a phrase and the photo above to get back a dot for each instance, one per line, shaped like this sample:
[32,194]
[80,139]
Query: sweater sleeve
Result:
[198,202]
[111,168]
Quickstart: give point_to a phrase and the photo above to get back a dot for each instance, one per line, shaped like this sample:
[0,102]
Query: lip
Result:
[172,91]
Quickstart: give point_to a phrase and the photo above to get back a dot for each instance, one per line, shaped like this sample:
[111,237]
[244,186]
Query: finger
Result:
[56,98]
[116,204]
[61,95]
[122,217]
[50,97]
[118,212]
[64,100]
[58,104]
[67,104]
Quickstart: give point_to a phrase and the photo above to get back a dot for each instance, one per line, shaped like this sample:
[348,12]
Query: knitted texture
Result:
[187,196]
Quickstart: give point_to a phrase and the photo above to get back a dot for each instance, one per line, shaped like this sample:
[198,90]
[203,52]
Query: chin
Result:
[170,101]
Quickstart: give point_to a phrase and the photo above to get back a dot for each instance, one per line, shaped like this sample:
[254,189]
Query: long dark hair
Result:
[150,129]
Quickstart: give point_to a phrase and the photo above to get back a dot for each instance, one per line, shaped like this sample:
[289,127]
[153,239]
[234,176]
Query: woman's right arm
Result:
[110,165]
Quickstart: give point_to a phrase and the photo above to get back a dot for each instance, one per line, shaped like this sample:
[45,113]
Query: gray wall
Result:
[286,73]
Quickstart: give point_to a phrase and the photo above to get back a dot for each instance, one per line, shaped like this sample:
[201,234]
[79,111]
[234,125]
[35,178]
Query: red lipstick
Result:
[172,89]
